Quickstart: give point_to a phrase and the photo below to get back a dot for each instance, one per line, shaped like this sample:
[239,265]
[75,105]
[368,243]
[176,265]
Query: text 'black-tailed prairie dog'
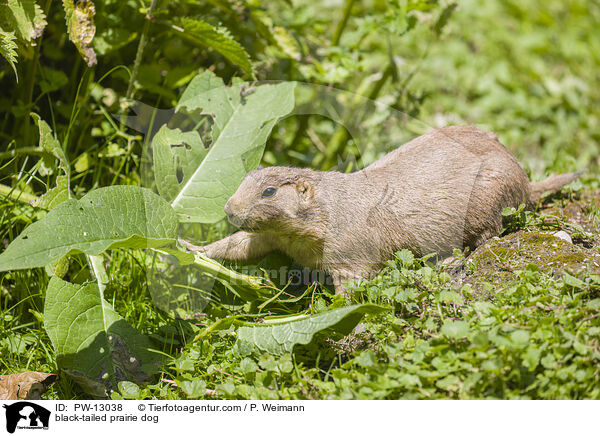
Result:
[443,190]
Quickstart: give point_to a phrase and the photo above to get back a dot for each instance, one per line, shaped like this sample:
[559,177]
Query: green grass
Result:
[533,336]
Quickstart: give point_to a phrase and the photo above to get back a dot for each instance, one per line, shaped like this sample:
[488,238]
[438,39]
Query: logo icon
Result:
[26,415]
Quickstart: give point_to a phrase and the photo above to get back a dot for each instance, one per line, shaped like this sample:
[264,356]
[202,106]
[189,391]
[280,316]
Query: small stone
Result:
[564,236]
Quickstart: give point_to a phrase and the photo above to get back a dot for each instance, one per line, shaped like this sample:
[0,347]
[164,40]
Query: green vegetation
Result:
[518,318]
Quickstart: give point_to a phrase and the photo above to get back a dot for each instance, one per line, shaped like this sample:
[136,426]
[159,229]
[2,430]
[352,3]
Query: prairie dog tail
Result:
[552,184]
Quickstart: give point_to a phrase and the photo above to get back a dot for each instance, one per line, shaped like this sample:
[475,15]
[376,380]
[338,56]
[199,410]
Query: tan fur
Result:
[440,191]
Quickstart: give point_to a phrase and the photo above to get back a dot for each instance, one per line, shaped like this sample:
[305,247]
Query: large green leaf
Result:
[280,338]
[24,17]
[243,120]
[92,342]
[111,217]
[8,49]
[217,38]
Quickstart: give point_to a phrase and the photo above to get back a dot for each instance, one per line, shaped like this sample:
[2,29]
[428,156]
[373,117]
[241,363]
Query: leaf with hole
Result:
[243,120]
[176,156]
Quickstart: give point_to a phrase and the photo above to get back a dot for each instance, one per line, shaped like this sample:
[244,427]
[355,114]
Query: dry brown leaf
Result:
[25,385]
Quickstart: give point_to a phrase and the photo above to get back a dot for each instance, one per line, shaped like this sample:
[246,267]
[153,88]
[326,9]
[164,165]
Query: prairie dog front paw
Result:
[192,247]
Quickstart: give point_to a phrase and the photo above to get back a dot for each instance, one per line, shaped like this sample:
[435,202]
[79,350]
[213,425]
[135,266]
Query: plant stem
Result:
[140,50]
[97,264]
[284,319]
[232,277]
[22,150]
[30,81]
[17,195]
[29,85]
[342,23]
[249,287]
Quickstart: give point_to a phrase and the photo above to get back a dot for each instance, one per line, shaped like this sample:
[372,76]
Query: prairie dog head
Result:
[273,199]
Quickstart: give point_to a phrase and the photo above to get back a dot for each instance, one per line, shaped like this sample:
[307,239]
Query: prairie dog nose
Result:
[231,216]
[228,207]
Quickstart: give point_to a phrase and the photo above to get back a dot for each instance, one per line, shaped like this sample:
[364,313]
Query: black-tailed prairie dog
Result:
[440,191]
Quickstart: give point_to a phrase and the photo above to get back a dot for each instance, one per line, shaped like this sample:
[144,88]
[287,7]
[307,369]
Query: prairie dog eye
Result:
[269,192]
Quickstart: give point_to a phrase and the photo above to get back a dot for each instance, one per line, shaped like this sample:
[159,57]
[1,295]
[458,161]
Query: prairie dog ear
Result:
[305,189]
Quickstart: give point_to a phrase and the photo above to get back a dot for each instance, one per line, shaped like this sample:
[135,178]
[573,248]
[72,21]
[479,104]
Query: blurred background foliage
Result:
[525,69]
